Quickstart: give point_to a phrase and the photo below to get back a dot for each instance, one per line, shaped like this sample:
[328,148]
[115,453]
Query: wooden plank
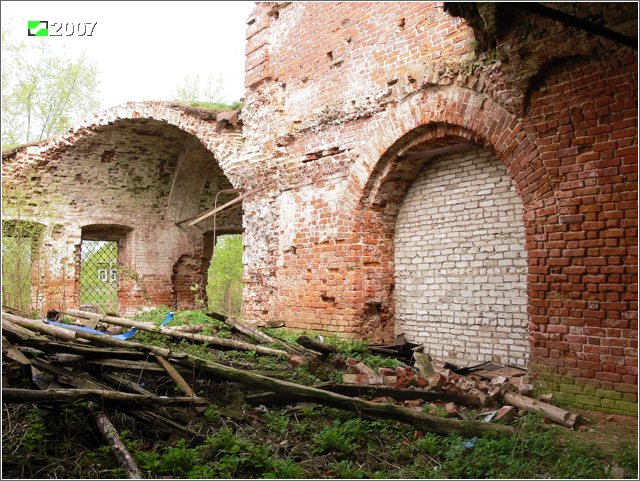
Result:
[178,379]
[204,215]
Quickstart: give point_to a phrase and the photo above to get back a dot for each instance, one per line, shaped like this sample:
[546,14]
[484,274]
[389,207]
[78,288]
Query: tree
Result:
[224,288]
[43,92]
[194,89]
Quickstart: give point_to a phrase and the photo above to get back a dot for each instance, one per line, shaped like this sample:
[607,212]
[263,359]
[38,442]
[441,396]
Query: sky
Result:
[144,50]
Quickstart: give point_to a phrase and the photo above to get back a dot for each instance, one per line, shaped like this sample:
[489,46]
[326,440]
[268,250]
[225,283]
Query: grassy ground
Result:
[301,440]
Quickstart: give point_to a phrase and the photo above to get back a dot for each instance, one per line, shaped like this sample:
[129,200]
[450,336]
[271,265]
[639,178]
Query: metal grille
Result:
[16,272]
[99,275]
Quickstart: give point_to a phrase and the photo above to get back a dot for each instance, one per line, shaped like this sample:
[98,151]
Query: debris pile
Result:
[80,361]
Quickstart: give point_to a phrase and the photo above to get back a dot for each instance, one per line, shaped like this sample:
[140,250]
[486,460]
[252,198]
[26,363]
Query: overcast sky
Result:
[143,50]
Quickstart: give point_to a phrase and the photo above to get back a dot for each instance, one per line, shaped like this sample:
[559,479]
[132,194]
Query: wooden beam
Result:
[204,215]
[577,22]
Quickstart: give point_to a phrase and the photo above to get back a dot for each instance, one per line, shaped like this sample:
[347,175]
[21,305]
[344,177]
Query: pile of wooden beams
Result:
[67,365]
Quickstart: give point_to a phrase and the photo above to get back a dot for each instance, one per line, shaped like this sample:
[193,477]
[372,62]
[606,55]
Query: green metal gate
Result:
[99,275]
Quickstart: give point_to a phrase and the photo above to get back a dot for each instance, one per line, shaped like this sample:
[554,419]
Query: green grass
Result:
[214,105]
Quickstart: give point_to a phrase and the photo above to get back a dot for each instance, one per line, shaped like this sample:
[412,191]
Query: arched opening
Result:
[21,246]
[452,225]
[460,260]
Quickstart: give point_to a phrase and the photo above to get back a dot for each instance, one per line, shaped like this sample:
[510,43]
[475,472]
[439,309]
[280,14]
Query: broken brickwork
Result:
[354,101]
[129,176]
[360,121]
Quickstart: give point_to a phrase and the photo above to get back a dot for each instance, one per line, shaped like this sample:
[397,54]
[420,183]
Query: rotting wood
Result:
[42,327]
[13,395]
[173,373]
[556,414]
[166,425]
[389,411]
[17,333]
[13,353]
[110,433]
[71,378]
[103,339]
[122,384]
[358,390]
[316,346]
[200,338]
[248,330]
[45,345]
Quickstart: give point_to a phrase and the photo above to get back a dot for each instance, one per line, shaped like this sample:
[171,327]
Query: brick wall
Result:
[129,179]
[460,261]
[345,104]
[346,101]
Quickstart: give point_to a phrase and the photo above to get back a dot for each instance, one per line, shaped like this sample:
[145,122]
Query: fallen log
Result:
[14,396]
[43,344]
[388,411]
[167,425]
[17,333]
[110,433]
[360,390]
[121,383]
[13,353]
[173,373]
[98,338]
[556,414]
[211,340]
[41,327]
[248,330]
[316,346]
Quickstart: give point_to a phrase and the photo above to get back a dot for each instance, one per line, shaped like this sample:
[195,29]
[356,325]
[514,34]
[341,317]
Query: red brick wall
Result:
[558,107]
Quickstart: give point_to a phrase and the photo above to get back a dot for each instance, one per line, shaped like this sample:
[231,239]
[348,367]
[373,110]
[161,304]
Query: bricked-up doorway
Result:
[460,260]
[104,280]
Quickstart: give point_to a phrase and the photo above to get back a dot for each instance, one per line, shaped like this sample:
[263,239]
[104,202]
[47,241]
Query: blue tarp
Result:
[125,336]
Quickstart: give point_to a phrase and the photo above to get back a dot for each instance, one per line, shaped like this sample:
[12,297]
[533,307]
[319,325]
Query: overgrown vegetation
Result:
[301,440]
[224,287]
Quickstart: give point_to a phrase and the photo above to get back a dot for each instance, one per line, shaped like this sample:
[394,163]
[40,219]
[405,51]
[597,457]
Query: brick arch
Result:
[440,115]
[199,123]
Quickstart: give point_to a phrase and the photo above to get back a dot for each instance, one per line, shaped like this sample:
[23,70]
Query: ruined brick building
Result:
[464,174]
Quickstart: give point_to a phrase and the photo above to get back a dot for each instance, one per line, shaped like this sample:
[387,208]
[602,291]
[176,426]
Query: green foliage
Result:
[21,244]
[42,93]
[434,409]
[277,422]
[343,436]
[224,289]
[204,93]
[346,470]
[217,106]
[225,455]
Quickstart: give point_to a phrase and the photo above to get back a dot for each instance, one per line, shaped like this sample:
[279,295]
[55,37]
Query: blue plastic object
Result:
[73,327]
[126,336]
[167,319]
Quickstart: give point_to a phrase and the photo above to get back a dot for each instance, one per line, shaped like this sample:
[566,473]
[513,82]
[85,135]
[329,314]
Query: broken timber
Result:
[11,395]
[388,411]
[554,413]
[109,432]
[211,340]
